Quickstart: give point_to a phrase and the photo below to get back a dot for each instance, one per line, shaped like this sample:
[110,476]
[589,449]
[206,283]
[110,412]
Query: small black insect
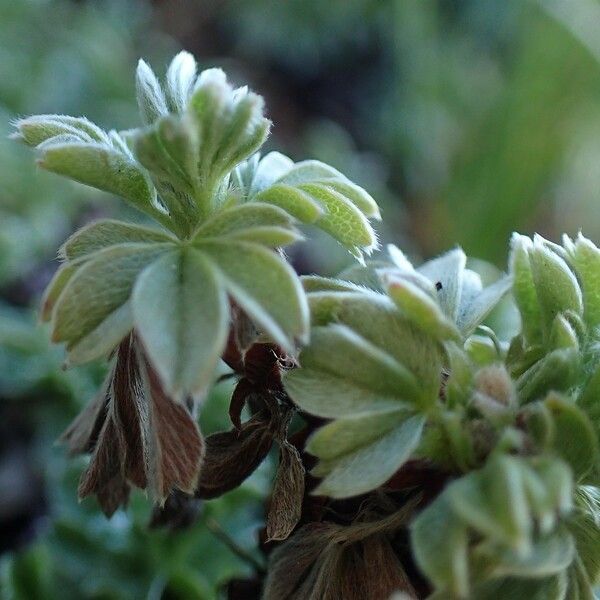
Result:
[438,285]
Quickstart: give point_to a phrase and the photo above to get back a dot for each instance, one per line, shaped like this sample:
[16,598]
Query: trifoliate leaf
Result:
[150,98]
[102,167]
[366,467]
[180,312]
[264,286]
[98,290]
[101,234]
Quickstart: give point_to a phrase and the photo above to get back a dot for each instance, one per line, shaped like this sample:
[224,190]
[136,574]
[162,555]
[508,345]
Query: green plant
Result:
[449,464]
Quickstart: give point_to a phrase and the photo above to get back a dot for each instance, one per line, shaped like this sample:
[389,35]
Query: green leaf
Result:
[549,588]
[421,309]
[316,193]
[331,397]
[556,371]
[549,555]
[337,350]
[98,289]
[439,544]
[181,76]
[230,123]
[150,98]
[375,318]
[574,437]
[367,467]
[264,285]
[54,289]
[586,259]
[447,271]
[493,502]
[181,314]
[472,314]
[107,232]
[256,174]
[524,288]
[262,224]
[37,129]
[101,167]
[556,286]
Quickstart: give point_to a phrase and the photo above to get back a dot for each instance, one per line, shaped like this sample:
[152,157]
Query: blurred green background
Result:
[466,120]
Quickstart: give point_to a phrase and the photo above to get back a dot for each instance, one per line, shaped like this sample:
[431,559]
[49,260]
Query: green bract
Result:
[223,212]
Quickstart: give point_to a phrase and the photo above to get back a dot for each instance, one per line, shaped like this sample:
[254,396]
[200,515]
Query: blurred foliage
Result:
[465,120]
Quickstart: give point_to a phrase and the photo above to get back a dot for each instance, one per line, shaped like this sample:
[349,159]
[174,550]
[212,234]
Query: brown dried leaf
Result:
[358,564]
[131,411]
[288,491]
[290,562]
[232,456]
[174,444]
[238,400]
[321,560]
[81,435]
[104,475]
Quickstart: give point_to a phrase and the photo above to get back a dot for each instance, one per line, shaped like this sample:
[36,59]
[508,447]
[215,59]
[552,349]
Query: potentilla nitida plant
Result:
[429,459]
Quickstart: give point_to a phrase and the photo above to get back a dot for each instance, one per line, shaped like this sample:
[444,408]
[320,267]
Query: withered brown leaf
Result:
[81,435]
[288,491]
[232,456]
[330,561]
[104,475]
[131,411]
[173,443]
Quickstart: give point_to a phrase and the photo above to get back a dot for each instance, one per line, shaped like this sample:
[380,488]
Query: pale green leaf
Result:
[574,437]
[39,128]
[439,544]
[234,220]
[181,76]
[329,396]
[524,287]
[101,167]
[421,309]
[339,351]
[181,314]
[473,313]
[100,287]
[102,340]
[150,98]
[586,259]
[265,286]
[293,200]
[446,272]
[368,467]
[54,289]
[107,232]
[556,286]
